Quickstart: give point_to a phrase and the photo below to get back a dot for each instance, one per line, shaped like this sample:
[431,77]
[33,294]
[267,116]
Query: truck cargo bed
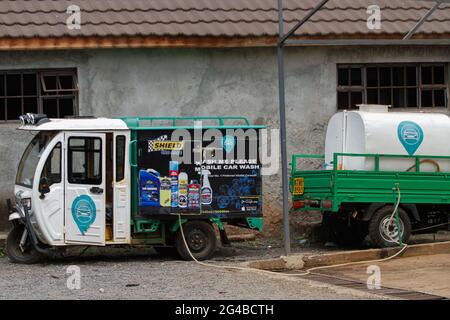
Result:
[326,190]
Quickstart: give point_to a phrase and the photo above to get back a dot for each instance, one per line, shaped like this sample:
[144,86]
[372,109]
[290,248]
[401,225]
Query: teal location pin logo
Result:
[84,212]
[410,135]
[228,143]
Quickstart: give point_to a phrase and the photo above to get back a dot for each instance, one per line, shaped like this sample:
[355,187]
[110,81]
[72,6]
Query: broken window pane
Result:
[427,98]
[343,77]
[401,86]
[411,76]
[439,98]
[13,108]
[385,77]
[399,98]
[398,75]
[13,85]
[29,84]
[412,98]
[343,100]
[385,96]
[356,99]
[66,107]
[372,77]
[2,109]
[439,75]
[50,107]
[427,75]
[356,77]
[66,82]
[30,105]
[2,85]
[372,96]
[49,84]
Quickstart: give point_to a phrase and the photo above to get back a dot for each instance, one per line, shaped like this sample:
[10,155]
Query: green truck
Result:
[357,186]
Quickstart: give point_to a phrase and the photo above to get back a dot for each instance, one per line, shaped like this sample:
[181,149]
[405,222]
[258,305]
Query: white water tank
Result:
[380,132]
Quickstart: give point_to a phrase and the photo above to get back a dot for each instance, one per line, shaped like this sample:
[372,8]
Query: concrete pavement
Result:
[427,274]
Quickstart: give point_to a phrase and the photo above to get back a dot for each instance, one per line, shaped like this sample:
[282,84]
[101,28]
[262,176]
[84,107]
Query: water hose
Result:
[307,272]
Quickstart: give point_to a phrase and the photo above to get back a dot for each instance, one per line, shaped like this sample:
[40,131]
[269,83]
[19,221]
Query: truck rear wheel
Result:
[201,239]
[382,230]
[25,255]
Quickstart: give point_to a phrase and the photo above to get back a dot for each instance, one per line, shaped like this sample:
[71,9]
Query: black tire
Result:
[379,222]
[201,240]
[13,251]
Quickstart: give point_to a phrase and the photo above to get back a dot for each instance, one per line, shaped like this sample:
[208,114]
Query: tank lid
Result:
[373,107]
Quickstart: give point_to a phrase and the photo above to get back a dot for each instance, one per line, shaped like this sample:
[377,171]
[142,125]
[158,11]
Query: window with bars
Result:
[52,92]
[399,85]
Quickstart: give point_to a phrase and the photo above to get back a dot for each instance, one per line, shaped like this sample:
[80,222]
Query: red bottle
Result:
[194,194]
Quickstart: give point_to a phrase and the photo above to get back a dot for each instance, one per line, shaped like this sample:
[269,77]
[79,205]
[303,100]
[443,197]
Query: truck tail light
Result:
[327,204]
[298,204]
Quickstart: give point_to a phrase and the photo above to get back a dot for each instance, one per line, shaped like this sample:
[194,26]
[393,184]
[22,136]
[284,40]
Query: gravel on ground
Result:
[142,274]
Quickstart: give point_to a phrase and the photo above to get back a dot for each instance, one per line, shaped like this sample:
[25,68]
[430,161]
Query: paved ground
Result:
[128,275]
[427,274]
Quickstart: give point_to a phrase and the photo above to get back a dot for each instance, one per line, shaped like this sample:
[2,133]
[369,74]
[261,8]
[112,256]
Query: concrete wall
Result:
[180,82]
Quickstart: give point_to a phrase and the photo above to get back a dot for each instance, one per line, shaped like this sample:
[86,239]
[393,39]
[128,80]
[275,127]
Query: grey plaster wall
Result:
[181,82]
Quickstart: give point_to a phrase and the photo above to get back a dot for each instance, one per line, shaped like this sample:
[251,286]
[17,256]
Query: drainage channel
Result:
[362,286]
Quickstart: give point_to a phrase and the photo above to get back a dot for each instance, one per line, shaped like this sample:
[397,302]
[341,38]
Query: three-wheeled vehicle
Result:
[89,181]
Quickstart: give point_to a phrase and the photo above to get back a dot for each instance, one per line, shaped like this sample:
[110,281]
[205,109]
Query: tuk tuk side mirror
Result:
[43,187]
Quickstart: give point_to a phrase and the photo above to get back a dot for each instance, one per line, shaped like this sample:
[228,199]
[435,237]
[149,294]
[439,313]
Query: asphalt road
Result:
[127,275]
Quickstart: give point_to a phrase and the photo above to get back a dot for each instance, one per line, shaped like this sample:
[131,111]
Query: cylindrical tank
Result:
[388,133]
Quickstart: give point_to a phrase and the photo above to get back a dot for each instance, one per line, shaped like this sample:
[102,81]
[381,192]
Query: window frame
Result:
[41,94]
[123,154]
[49,158]
[419,86]
[86,181]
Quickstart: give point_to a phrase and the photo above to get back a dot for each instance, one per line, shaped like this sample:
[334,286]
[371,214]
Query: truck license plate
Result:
[299,186]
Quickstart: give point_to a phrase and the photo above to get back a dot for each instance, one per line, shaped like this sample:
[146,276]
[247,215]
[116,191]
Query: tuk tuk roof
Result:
[77,124]
[138,123]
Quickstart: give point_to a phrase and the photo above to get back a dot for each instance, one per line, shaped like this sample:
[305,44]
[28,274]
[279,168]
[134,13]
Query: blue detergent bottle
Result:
[149,188]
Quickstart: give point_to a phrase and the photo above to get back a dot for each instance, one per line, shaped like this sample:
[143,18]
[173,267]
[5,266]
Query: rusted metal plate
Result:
[384,291]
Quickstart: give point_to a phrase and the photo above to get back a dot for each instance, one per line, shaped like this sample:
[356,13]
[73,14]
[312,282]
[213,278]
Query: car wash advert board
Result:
[209,171]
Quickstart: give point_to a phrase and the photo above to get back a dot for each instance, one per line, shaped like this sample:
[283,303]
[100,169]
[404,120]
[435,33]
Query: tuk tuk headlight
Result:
[27,203]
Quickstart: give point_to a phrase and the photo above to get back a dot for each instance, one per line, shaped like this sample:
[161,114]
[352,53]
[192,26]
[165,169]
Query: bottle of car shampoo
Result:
[206,192]
[194,194]
[164,192]
[173,173]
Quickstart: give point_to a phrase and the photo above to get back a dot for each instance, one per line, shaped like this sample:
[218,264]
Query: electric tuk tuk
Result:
[135,181]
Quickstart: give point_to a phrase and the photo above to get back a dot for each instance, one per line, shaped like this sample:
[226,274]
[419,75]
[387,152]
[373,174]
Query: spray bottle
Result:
[173,173]
[183,190]
[206,191]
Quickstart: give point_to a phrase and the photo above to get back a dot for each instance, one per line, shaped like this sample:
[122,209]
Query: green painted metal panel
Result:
[150,123]
[255,223]
[358,186]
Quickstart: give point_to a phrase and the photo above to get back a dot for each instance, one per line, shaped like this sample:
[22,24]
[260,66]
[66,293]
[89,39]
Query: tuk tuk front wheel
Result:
[201,239]
[26,254]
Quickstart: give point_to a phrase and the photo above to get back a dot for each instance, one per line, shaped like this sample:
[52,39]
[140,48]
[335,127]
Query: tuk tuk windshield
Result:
[30,158]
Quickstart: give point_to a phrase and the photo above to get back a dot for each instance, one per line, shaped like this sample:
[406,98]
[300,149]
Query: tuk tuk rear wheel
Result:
[201,239]
[15,254]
